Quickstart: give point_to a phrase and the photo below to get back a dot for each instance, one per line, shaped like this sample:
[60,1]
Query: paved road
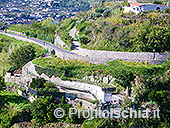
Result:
[95,56]
[62,53]
[40,42]
[75,42]
[114,55]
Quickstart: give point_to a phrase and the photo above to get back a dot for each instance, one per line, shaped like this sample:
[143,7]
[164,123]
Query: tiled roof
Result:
[164,5]
[136,4]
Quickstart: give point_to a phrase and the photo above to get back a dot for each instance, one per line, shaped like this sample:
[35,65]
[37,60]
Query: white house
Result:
[140,7]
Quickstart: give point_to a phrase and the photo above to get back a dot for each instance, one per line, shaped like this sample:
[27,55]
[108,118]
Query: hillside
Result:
[150,1]
[106,27]
[8,44]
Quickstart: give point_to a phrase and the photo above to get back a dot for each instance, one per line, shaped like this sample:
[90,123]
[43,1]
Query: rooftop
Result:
[140,4]
[136,4]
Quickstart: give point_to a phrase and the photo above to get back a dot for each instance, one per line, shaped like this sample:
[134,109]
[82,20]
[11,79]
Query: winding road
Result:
[156,58]
[37,41]
[94,56]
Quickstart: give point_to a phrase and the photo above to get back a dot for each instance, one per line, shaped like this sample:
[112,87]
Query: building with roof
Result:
[140,7]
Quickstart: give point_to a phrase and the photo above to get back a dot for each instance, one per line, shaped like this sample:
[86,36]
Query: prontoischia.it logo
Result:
[111,113]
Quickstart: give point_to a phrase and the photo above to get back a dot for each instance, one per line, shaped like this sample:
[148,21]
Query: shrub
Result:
[106,13]
[48,92]
[21,55]
[84,40]
[98,14]
[37,83]
[22,90]
[27,33]
[99,10]
[94,101]
[33,35]
[49,85]
[168,58]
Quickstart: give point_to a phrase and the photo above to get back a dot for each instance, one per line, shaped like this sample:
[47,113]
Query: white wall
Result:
[96,90]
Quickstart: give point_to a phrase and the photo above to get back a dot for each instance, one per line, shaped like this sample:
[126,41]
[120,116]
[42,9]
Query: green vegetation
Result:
[94,101]
[44,30]
[12,107]
[100,123]
[8,45]
[152,1]
[73,5]
[63,29]
[43,110]
[2,84]
[79,69]
[106,27]
[19,56]
[37,83]
[151,77]
[158,96]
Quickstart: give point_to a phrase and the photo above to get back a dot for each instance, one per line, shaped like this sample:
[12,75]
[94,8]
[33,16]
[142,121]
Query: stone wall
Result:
[16,78]
[30,98]
[95,90]
[29,72]
[97,56]
[104,79]
[58,41]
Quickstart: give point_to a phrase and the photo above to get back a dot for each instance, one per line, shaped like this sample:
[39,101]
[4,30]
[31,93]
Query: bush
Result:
[33,35]
[84,40]
[27,33]
[57,72]
[22,90]
[168,58]
[37,83]
[106,13]
[94,101]
[42,110]
[22,55]
[49,85]
[98,14]
[99,10]
[157,2]
[48,92]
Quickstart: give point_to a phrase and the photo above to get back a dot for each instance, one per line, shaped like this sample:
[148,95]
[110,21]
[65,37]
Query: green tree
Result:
[153,37]
[27,33]
[84,40]
[37,83]
[168,58]
[49,85]
[124,78]
[42,110]
[33,35]
[107,123]
[98,14]
[21,55]
[106,13]
[152,95]
[99,10]
[2,84]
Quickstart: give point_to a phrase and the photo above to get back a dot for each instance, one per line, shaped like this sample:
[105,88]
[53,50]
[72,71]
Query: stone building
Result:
[13,76]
